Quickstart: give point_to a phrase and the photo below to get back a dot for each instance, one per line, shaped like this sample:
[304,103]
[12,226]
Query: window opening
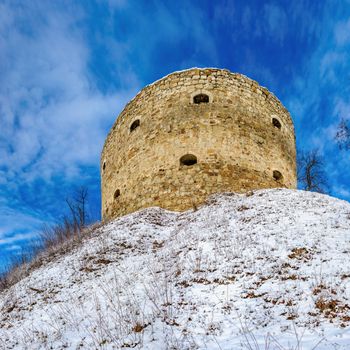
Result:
[276,123]
[201,98]
[116,194]
[188,159]
[135,124]
[277,175]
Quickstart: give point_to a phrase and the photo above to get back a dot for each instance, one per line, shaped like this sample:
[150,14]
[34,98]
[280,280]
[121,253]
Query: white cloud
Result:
[319,95]
[275,22]
[26,225]
[14,247]
[53,116]
[342,33]
[17,237]
[342,108]
[330,64]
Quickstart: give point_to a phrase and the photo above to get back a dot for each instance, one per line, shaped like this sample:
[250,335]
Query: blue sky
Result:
[67,69]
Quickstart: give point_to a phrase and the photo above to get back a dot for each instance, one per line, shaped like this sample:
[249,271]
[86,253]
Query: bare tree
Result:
[343,135]
[311,174]
[52,240]
[77,206]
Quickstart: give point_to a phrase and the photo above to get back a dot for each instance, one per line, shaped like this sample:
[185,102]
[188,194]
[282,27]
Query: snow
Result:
[263,270]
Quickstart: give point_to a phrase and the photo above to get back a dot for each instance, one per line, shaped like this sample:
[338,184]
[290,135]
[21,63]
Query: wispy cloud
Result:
[16,238]
[342,32]
[53,116]
[319,94]
[275,22]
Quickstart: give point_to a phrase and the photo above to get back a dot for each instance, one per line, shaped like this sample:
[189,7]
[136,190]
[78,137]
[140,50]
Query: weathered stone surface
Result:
[233,136]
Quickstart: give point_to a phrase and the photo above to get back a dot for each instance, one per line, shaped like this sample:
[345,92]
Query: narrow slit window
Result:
[116,194]
[135,124]
[104,166]
[201,98]
[276,123]
[188,160]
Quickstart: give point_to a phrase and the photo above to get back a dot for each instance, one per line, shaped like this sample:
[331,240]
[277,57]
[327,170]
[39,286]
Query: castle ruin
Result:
[194,133]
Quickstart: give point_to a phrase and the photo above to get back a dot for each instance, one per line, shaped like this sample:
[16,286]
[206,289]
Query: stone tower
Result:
[194,133]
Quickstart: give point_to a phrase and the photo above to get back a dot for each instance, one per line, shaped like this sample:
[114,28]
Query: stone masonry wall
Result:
[233,136]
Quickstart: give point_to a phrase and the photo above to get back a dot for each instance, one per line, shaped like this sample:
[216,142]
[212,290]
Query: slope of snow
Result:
[265,270]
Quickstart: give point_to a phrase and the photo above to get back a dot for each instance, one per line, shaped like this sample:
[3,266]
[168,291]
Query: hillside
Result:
[265,270]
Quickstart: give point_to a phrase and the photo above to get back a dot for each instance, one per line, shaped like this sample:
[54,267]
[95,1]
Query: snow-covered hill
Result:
[265,270]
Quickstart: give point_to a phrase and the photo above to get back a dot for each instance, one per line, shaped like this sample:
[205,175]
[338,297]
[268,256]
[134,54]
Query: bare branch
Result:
[343,135]
[311,175]
[77,207]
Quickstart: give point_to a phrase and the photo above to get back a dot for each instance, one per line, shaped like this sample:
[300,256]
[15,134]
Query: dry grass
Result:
[52,243]
[299,253]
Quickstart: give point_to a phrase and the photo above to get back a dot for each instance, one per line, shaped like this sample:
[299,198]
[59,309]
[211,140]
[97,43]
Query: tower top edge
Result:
[200,70]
